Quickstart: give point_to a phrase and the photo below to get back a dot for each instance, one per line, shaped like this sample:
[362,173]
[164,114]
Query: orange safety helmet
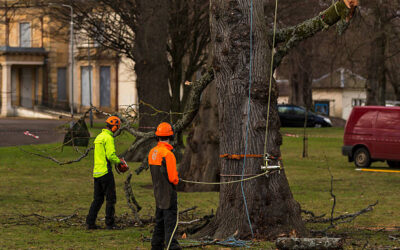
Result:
[164,129]
[114,123]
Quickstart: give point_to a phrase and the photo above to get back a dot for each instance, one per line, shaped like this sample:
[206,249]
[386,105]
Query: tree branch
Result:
[291,36]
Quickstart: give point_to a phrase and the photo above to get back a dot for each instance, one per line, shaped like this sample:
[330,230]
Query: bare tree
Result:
[130,28]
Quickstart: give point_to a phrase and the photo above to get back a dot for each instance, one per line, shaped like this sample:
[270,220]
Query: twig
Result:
[393,238]
[86,153]
[187,210]
[189,222]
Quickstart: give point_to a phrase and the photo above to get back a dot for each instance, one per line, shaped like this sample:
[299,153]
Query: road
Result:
[12,131]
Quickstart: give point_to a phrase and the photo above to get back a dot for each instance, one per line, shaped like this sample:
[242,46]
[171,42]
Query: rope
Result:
[225,182]
[270,85]
[248,116]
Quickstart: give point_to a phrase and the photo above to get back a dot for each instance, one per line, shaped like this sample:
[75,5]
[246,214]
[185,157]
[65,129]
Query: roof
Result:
[21,50]
[340,78]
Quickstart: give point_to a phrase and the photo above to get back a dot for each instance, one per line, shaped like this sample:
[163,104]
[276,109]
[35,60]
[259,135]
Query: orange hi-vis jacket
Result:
[164,174]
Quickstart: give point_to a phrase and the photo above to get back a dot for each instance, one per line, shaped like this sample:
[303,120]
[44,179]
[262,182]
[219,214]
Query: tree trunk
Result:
[301,76]
[376,79]
[272,209]
[201,161]
[151,68]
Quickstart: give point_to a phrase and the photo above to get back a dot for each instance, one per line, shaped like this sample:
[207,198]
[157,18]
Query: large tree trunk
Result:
[201,160]
[151,68]
[271,206]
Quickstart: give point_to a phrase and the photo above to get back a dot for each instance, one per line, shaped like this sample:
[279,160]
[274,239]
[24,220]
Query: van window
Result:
[366,120]
[388,120]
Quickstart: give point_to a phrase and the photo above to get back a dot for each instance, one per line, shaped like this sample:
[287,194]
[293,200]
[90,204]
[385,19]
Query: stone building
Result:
[35,67]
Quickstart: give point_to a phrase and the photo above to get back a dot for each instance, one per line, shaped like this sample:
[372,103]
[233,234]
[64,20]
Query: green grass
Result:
[29,184]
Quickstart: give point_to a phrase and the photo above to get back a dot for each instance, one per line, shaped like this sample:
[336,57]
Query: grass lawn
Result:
[32,185]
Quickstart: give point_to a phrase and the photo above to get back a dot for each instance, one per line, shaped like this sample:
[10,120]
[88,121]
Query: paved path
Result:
[12,131]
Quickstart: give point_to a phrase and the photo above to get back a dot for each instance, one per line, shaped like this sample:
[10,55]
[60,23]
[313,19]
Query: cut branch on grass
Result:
[345,218]
[86,153]
[131,200]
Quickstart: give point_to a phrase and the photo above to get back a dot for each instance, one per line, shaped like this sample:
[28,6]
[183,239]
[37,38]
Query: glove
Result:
[121,167]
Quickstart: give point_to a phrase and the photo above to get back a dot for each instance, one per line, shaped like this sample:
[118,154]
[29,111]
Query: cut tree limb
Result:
[130,198]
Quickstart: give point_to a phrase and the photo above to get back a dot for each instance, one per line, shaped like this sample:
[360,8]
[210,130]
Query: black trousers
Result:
[103,186]
[165,225]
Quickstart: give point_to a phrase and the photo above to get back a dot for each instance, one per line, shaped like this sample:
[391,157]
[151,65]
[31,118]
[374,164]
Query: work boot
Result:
[91,227]
[112,227]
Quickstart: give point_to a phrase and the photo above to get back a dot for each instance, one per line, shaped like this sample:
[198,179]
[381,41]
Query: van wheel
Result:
[362,158]
[393,164]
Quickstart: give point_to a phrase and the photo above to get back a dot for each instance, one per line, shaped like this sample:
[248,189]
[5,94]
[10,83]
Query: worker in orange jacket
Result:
[165,178]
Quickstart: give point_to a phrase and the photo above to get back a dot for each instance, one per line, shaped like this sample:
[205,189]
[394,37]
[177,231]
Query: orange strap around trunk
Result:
[238,157]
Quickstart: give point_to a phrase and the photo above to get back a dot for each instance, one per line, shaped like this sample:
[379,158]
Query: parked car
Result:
[372,133]
[293,116]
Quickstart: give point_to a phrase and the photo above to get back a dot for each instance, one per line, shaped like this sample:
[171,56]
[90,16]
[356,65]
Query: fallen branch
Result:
[86,153]
[350,217]
[130,198]
[313,216]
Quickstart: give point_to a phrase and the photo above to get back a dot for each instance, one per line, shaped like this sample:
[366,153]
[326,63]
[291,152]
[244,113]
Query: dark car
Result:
[293,116]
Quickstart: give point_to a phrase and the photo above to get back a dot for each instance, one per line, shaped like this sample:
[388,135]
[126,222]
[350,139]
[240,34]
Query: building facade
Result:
[333,94]
[36,67]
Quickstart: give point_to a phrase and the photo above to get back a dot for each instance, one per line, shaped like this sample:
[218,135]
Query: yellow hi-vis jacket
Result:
[104,153]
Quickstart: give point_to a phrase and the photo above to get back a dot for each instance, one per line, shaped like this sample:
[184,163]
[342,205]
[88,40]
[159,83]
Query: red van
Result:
[372,133]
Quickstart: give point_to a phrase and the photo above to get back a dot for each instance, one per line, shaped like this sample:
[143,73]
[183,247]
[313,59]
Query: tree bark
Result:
[200,161]
[151,68]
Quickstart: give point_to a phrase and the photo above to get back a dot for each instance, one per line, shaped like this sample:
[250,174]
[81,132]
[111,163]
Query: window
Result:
[322,107]
[357,102]
[105,86]
[86,80]
[285,109]
[299,111]
[62,84]
[25,35]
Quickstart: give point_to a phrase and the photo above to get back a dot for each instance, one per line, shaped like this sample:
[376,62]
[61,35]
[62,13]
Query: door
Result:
[85,86]
[105,86]
[26,87]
